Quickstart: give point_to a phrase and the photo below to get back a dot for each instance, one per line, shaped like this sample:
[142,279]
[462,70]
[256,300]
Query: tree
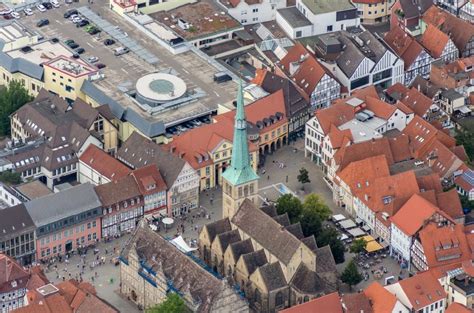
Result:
[315,204]
[311,223]
[303,177]
[291,205]
[10,178]
[358,245]
[330,236]
[351,275]
[466,203]
[465,137]
[172,304]
[11,99]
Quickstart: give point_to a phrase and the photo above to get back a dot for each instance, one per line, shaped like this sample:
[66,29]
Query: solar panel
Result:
[469,177]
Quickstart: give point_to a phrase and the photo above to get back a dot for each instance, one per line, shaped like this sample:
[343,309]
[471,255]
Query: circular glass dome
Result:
[159,88]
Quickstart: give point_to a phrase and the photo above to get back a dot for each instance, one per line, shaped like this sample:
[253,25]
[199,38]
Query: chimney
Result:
[418,87]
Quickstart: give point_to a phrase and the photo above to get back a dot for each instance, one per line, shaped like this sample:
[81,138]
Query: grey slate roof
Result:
[217,227]
[21,65]
[186,275]
[310,242]
[296,230]
[272,276]
[325,6]
[228,237]
[294,17]
[451,94]
[138,151]
[14,220]
[427,88]
[63,204]
[307,281]
[241,247]
[95,93]
[254,260]
[413,8]
[266,231]
[282,219]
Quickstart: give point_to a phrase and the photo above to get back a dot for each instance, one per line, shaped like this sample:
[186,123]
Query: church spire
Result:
[240,170]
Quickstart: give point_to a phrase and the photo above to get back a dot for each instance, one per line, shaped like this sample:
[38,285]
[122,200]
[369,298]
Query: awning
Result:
[356,232]
[347,224]
[358,221]
[366,228]
[179,243]
[338,217]
[371,244]
[463,109]
[344,237]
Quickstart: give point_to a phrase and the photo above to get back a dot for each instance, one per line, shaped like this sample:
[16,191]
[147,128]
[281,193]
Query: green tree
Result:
[330,236]
[291,205]
[11,99]
[465,137]
[303,177]
[315,204]
[10,178]
[466,203]
[358,245]
[310,223]
[351,275]
[172,304]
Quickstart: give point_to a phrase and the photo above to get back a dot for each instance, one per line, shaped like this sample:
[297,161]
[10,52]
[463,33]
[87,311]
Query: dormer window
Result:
[386,200]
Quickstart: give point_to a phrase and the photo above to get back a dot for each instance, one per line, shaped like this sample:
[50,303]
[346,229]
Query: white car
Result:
[93,59]
[28,11]
[54,3]
[76,20]
[74,16]
[41,7]
[15,15]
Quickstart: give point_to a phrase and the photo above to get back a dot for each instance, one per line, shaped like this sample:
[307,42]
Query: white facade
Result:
[263,11]
[400,243]
[183,195]
[420,67]
[434,307]
[450,52]
[88,174]
[155,201]
[7,197]
[327,90]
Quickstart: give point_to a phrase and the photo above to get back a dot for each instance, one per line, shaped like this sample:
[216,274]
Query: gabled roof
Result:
[458,29]
[382,300]
[456,307]
[256,224]
[444,245]
[466,180]
[11,271]
[422,290]
[149,180]
[413,214]
[434,41]
[272,275]
[404,45]
[328,303]
[117,191]
[450,203]
[104,163]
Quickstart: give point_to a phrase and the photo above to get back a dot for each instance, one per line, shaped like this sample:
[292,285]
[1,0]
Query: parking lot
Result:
[126,69]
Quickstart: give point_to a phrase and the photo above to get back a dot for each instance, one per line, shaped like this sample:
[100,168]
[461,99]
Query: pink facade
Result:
[68,239]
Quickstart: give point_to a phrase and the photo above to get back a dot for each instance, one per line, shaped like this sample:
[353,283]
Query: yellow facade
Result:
[61,83]
[273,139]
[31,84]
[374,13]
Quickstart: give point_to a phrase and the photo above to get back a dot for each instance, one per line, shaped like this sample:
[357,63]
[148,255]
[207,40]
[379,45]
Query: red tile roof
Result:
[457,308]
[382,300]
[462,182]
[328,303]
[404,45]
[104,163]
[309,71]
[450,203]
[422,290]
[434,41]
[10,271]
[413,214]
[430,182]
[149,179]
[444,245]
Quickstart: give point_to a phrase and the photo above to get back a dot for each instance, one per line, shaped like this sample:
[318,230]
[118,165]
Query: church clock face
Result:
[241,124]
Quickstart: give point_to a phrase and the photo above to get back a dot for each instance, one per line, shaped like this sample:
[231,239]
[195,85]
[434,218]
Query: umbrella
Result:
[168,221]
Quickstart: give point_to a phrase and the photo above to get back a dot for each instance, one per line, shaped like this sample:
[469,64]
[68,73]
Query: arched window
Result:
[306,298]
[279,299]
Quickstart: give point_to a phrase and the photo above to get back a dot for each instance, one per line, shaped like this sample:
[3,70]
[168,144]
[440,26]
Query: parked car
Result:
[109,42]
[77,19]
[41,7]
[27,11]
[47,5]
[76,56]
[94,31]
[6,11]
[54,3]
[73,45]
[100,65]
[222,77]
[8,17]
[74,16]
[70,12]
[15,14]
[82,23]
[42,22]
[80,50]
[121,50]
[67,42]
[92,59]
[54,40]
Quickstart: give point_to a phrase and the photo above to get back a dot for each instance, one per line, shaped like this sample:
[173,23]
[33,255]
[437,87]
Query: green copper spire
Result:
[240,171]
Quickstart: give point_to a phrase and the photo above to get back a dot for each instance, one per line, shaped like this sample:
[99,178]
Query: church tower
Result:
[239,179]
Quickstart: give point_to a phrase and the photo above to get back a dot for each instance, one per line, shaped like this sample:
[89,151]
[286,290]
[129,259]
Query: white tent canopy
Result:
[179,243]
[356,232]
[348,224]
[338,217]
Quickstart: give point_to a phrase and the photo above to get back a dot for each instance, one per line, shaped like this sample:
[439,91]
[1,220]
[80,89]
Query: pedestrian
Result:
[268,177]
[287,178]
[96,275]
